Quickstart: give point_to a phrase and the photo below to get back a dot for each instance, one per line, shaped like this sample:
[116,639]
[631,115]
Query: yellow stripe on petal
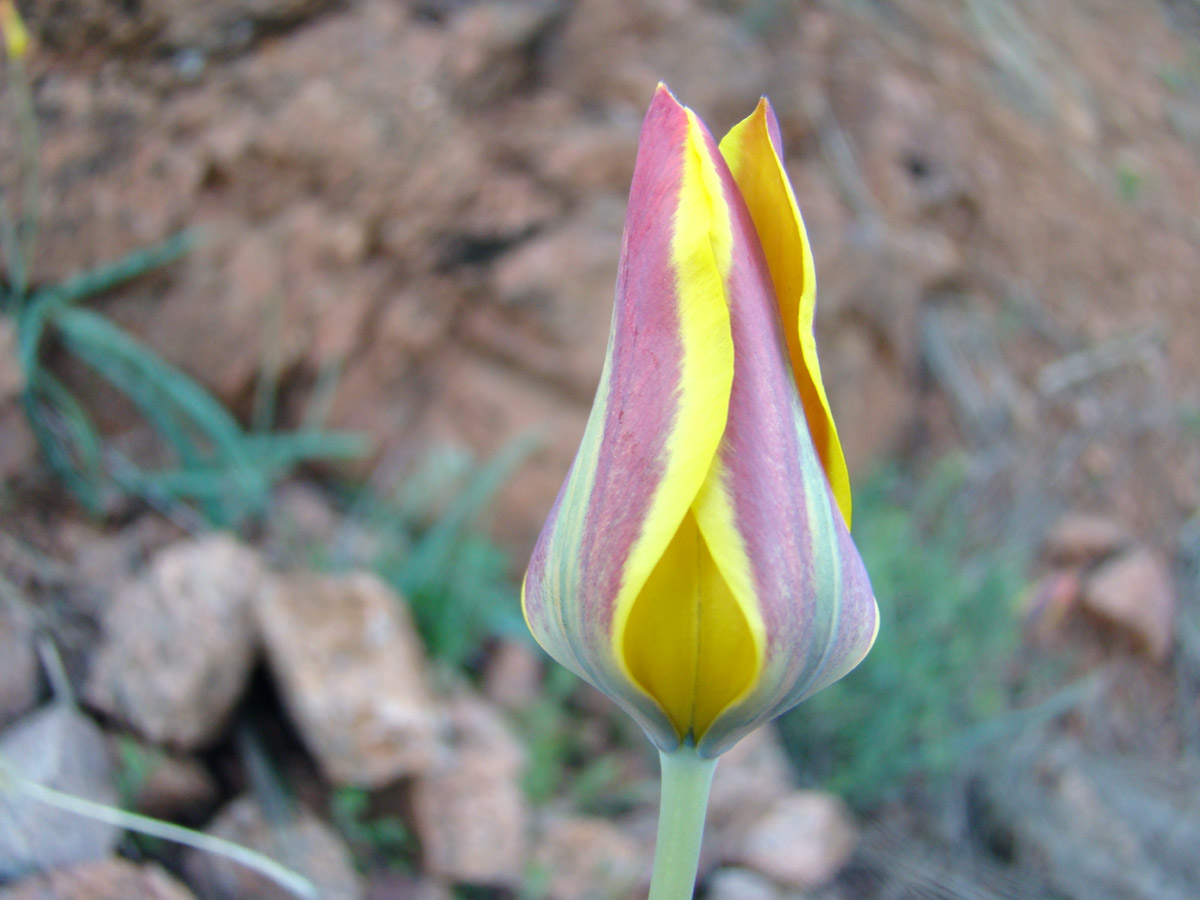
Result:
[694,639]
[16,36]
[733,634]
[758,170]
[688,642]
[659,641]
[701,249]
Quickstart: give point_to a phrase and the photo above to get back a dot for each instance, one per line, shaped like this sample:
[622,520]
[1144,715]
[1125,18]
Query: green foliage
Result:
[374,840]
[135,764]
[936,674]
[220,467]
[217,465]
[551,736]
[1130,182]
[458,582]
[558,761]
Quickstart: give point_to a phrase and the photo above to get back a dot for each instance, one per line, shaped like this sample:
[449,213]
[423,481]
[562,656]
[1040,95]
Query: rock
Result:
[749,779]
[299,841]
[224,25]
[397,886]
[585,858]
[872,287]
[60,748]
[107,879]
[583,159]
[350,667]
[802,842]
[18,447]
[18,660]
[169,786]
[1134,592]
[1098,823]
[481,404]
[103,559]
[612,56]
[554,306]
[1080,539]
[179,642]
[740,884]
[302,519]
[469,811]
[513,677]
[12,378]
[495,49]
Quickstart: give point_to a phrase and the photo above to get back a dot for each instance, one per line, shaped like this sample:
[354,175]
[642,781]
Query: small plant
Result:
[218,466]
[1130,182]
[375,841]
[558,763]
[948,627]
[551,737]
[458,582]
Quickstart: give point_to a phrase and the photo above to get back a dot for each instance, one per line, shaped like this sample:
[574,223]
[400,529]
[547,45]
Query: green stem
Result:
[686,779]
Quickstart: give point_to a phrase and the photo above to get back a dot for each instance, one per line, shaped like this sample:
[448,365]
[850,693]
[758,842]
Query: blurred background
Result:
[302,306]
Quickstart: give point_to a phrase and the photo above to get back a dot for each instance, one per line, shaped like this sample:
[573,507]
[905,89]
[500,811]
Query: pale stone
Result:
[803,841]
[1092,821]
[18,661]
[1134,592]
[1082,539]
[584,858]
[12,377]
[179,642]
[750,777]
[60,748]
[174,787]
[106,879]
[219,25]
[350,667]
[19,447]
[295,838]
[513,676]
[740,884]
[470,812]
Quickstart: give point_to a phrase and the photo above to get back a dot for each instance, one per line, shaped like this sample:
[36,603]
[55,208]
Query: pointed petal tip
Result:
[663,94]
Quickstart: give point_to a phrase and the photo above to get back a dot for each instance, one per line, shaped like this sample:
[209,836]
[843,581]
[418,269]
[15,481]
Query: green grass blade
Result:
[282,451]
[45,304]
[135,369]
[77,460]
[433,551]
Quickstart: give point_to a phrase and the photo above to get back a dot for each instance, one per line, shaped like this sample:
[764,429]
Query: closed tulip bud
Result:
[697,564]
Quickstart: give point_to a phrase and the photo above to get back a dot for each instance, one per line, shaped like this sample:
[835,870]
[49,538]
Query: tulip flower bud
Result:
[697,565]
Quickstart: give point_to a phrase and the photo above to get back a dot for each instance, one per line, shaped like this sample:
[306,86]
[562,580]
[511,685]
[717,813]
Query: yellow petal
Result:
[754,154]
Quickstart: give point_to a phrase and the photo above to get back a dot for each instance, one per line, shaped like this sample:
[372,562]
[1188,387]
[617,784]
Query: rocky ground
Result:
[409,214]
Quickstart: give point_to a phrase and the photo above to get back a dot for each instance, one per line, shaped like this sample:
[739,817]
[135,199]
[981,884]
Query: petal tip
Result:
[663,94]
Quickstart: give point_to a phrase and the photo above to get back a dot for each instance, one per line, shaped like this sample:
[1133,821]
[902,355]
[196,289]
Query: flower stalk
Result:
[686,780]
